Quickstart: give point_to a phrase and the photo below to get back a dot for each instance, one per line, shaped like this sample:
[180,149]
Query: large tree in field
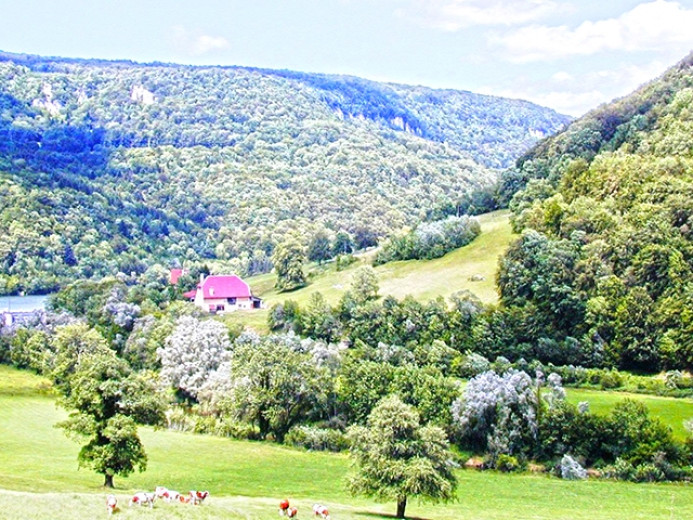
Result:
[397,458]
[106,402]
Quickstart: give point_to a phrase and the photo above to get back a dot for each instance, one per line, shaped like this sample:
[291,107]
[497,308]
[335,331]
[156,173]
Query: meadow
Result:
[39,478]
[422,279]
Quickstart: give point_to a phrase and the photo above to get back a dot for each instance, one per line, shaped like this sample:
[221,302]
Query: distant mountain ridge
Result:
[114,166]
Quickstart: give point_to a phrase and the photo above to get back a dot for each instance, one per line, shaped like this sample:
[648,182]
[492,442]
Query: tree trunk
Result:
[401,506]
[108,482]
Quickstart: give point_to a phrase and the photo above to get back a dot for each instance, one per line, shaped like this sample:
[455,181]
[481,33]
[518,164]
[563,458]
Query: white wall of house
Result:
[206,304]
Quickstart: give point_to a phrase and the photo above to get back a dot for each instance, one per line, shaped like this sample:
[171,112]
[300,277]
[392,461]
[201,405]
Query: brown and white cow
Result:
[142,499]
[321,511]
[111,504]
[197,497]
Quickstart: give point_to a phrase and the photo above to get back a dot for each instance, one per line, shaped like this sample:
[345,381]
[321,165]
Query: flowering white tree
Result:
[499,412]
[192,352]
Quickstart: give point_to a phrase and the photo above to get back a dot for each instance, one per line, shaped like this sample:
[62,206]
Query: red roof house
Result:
[174,275]
[224,293]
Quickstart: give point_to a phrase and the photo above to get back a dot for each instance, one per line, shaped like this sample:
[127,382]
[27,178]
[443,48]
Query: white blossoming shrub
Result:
[192,352]
[571,469]
[498,413]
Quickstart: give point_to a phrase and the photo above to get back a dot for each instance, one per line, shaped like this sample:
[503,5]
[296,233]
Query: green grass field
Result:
[39,478]
[672,411]
[424,279]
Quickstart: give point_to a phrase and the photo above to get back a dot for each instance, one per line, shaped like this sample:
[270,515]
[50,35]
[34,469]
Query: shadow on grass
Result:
[368,514]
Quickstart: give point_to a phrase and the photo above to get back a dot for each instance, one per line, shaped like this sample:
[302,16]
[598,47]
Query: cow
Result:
[171,496]
[197,497]
[111,504]
[142,499]
[183,499]
[291,512]
[161,492]
[283,507]
[321,511]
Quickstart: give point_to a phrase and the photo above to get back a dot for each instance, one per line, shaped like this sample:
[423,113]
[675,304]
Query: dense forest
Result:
[108,167]
[606,212]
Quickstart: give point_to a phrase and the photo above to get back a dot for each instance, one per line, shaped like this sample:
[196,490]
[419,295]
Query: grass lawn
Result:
[423,279]
[672,411]
[39,478]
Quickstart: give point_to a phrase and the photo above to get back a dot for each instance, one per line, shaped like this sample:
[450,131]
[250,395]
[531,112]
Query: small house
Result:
[223,293]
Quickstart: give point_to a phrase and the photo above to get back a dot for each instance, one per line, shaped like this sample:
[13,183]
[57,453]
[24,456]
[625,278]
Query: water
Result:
[23,303]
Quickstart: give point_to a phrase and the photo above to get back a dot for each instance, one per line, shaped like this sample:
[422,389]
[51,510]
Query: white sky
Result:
[568,55]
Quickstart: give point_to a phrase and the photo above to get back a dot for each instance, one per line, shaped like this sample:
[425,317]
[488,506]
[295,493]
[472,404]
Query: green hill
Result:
[607,212]
[471,267]
[115,166]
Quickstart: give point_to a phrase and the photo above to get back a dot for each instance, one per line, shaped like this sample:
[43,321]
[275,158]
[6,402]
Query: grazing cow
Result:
[143,499]
[111,504]
[291,512]
[197,497]
[283,507]
[321,511]
[171,496]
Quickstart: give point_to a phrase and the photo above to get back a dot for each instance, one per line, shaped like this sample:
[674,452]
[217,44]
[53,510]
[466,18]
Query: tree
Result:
[108,400]
[364,284]
[343,243]
[319,249]
[288,259]
[276,384]
[397,458]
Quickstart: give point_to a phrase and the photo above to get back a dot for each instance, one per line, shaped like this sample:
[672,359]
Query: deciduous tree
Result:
[397,458]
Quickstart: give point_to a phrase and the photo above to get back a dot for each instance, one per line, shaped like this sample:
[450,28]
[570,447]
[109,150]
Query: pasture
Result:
[423,279]
[672,411]
[39,478]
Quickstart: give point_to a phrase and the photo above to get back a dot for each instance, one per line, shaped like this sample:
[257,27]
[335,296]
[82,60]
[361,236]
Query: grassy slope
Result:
[672,411]
[424,279]
[38,465]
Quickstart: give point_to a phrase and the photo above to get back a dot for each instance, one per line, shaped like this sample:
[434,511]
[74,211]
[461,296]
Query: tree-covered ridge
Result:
[606,254]
[120,164]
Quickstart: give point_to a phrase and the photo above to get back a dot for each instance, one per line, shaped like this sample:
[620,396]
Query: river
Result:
[23,303]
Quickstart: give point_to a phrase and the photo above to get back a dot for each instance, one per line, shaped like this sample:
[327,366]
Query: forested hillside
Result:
[606,214]
[113,166]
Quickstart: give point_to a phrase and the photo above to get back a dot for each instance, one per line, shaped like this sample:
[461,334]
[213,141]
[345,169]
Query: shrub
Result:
[507,463]
[317,439]
[648,472]
[471,365]
[571,469]
[620,470]
[611,379]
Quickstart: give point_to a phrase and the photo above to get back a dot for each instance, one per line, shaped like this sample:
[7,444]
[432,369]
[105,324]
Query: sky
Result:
[569,55]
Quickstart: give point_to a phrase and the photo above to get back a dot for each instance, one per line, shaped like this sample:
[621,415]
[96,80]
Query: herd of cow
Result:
[196,498]
[285,509]
[162,493]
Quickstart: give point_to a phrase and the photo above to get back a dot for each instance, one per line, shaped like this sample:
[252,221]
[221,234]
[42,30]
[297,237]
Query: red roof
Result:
[174,275]
[225,286]
[190,294]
